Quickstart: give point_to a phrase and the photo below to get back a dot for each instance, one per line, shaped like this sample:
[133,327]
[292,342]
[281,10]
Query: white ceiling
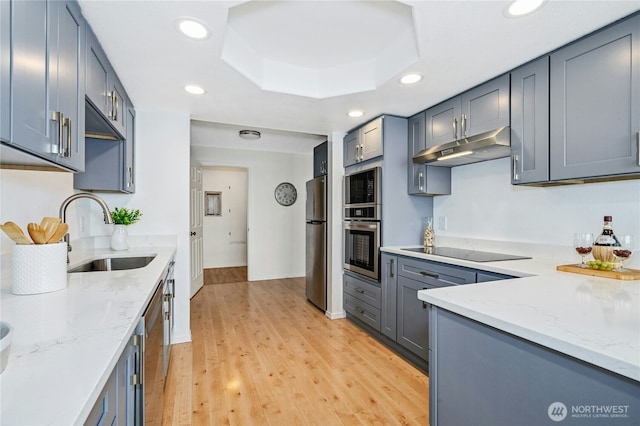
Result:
[454,44]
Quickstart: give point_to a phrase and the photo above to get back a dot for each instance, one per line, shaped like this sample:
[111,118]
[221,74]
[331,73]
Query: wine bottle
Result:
[606,241]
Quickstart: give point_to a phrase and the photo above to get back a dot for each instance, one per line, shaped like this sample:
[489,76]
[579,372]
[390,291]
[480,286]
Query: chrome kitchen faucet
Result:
[63,212]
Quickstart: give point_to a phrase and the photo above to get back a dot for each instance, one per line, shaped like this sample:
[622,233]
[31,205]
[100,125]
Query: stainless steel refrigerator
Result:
[316,242]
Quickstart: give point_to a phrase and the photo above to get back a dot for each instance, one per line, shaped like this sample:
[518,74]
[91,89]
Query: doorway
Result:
[225,241]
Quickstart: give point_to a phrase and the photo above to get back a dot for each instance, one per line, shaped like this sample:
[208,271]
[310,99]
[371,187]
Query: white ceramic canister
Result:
[39,268]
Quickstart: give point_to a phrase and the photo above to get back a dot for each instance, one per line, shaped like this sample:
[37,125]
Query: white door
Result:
[197,204]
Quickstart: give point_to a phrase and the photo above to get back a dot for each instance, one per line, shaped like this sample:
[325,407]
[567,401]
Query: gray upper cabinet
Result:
[47,81]
[423,179]
[130,152]
[105,93]
[320,156]
[530,122]
[5,78]
[442,122]
[595,104]
[364,143]
[483,108]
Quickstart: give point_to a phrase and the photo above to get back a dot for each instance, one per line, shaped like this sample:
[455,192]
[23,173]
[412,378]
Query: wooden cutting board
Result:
[632,274]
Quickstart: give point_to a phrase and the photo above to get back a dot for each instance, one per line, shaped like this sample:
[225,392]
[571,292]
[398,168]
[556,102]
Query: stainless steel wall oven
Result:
[362,214]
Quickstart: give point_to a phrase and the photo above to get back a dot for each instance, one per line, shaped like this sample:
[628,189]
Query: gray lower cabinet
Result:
[364,143]
[530,123]
[47,81]
[423,179]
[115,404]
[362,300]
[389,295]
[483,376]
[595,104]
[5,70]
[412,319]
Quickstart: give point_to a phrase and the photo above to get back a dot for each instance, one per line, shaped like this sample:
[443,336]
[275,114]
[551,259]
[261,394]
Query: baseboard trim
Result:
[336,315]
[181,338]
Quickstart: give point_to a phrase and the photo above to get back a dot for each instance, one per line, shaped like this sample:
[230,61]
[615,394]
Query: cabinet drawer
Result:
[104,410]
[363,311]
[367,292]
[434,273]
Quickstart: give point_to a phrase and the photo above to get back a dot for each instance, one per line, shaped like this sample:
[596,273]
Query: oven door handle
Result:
[361,225]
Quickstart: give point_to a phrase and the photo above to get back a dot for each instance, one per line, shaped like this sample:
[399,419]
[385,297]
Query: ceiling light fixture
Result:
[355,114]
[522,7]
[249,134]
[411,78]
[194,90]
[193,28]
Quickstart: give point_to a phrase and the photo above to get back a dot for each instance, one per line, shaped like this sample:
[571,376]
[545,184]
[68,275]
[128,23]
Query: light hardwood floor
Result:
[262,355]
[224,275]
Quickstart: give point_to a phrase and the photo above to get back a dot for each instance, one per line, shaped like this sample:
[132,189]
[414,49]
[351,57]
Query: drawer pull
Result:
[426,274]
[359,310]
[359,290]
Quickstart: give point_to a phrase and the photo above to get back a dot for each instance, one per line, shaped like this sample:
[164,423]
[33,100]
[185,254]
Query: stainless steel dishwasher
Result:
[150,392]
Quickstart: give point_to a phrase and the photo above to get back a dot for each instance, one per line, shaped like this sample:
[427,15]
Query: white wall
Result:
[484,205]
[162,195]
[27,196]
[276,237]
[225,236]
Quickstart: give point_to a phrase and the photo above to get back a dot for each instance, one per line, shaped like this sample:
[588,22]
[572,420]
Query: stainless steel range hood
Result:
[482,147]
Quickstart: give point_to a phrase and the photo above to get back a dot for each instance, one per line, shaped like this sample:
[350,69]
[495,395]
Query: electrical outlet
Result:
[442,223]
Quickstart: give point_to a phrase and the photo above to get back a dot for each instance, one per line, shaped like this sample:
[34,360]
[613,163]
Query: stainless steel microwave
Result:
[362,194]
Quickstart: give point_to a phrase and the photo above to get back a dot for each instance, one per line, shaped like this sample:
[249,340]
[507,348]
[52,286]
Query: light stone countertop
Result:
[66,343]
[596,320]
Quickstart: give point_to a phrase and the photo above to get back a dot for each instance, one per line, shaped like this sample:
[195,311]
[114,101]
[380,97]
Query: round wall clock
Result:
[285,194]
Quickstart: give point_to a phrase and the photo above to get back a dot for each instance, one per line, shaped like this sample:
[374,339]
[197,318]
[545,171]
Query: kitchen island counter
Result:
[66,343]
[595,320]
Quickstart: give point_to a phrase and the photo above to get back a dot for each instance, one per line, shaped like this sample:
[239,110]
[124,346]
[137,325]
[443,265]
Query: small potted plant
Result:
[122,217]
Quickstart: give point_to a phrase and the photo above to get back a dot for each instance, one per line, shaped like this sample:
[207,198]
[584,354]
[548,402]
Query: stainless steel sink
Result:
[113,264]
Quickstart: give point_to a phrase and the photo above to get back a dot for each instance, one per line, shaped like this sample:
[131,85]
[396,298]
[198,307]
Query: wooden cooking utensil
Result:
[60,231]
[37,233]
[49,225]
[15,233]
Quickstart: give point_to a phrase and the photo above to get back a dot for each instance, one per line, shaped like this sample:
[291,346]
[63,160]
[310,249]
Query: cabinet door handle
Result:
[514,167]
[391,265]
[455,128]
[420,179]
[130,181]
[113,114]
[68,125]
[427,274]
[59,118]
[463,124]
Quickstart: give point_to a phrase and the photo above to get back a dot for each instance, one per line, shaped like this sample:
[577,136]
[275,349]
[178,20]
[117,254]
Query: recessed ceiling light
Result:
[249,134]
[194,90]
[355,114]
[192,28]
[411,78]
[522,7]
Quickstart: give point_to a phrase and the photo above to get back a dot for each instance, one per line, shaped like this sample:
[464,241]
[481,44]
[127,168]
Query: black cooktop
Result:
[472,255]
